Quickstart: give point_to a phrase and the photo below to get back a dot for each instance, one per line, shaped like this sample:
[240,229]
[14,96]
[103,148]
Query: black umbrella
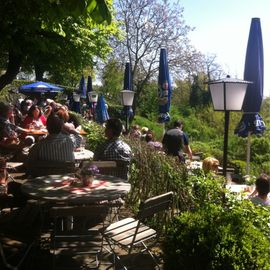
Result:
[251,122]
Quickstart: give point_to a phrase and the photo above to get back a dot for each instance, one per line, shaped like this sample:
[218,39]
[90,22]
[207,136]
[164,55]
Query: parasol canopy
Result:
[251,122]
[128,77]
[164,88]
[82,88]
[39,87]
[88,90]
[101,110]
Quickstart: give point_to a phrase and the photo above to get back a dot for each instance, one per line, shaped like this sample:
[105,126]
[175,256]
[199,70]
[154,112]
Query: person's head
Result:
[145,130]
[210,164]
[177,124]
[34,112]
[113,128]
[5,110]
[54,124]
[149,137]
[263,184]
[63,114]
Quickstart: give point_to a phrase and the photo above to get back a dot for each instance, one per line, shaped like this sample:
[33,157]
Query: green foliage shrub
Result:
[216,237]
[95,134]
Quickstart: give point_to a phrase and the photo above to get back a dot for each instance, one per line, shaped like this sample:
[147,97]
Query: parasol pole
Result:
[248,153]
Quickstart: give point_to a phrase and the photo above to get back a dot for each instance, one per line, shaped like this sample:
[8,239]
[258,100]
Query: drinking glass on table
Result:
[82,143]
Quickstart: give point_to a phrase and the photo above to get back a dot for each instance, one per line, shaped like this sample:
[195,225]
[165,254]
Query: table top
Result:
[13,165]
[236,188]
[83,154]
[194,165]
[45,132]
[59,188]
[37,131]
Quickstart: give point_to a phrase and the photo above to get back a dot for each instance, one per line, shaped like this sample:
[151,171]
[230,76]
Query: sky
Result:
[222,28]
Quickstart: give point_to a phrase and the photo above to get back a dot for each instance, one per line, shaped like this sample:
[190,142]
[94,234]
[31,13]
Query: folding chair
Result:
[76,239]
[132,232]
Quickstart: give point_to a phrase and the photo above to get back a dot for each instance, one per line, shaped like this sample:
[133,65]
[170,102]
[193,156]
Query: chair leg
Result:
[6,263]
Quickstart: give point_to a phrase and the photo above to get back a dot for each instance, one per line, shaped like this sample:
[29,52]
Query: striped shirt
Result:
[55,147]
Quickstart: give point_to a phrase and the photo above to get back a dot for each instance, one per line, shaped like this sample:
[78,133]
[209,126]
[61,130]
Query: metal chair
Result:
[71,234]
[132,232]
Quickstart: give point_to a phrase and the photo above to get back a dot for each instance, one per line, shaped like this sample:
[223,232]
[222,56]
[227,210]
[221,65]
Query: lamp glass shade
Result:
[127,97]
[228,95]
[64,97]
[76,97]
[93,96]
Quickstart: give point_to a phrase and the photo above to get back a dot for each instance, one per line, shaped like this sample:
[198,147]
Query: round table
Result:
[83,154]
[58,188]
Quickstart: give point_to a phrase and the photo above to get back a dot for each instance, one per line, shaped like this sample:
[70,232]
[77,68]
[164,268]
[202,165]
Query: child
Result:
[262,188]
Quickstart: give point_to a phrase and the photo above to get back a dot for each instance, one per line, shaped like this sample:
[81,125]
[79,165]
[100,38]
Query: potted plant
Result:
[87,174]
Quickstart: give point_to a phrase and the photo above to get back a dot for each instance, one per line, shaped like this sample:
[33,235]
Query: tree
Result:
[49,34]
[148,26]
[112,80]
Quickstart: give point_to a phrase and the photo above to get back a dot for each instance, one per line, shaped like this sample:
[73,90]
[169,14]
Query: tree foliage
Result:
[52,35]
[148,26]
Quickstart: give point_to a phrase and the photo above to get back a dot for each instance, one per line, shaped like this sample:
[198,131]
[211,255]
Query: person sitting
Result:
[210,164]
[135,132]
[262,190]
[144,131]
[149,138]
[55,148]
[34,119]
[11,141]
[71,126]
[114,148]
[10,191]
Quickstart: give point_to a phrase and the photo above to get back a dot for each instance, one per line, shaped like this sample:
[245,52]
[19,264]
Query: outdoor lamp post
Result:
[93,98]
[127,101]
[227,95]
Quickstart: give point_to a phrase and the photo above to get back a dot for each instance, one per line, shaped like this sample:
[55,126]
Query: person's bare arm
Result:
[188,150]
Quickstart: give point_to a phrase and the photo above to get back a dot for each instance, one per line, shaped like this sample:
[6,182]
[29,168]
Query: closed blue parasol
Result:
[164,88]
[39,87]
[82,88]
[127,110]
[89,89]
[128,77]
[101,110]
[251,122]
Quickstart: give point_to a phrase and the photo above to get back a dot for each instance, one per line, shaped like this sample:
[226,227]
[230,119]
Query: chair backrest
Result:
[116,168]
[43,167]
[105,164]
[155,205]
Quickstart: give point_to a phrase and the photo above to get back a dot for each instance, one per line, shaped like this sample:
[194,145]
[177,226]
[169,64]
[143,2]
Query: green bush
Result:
[95,134]
[217,237]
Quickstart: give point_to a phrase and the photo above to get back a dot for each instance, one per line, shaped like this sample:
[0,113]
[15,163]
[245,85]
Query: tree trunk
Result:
[13,68]
[39,71]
